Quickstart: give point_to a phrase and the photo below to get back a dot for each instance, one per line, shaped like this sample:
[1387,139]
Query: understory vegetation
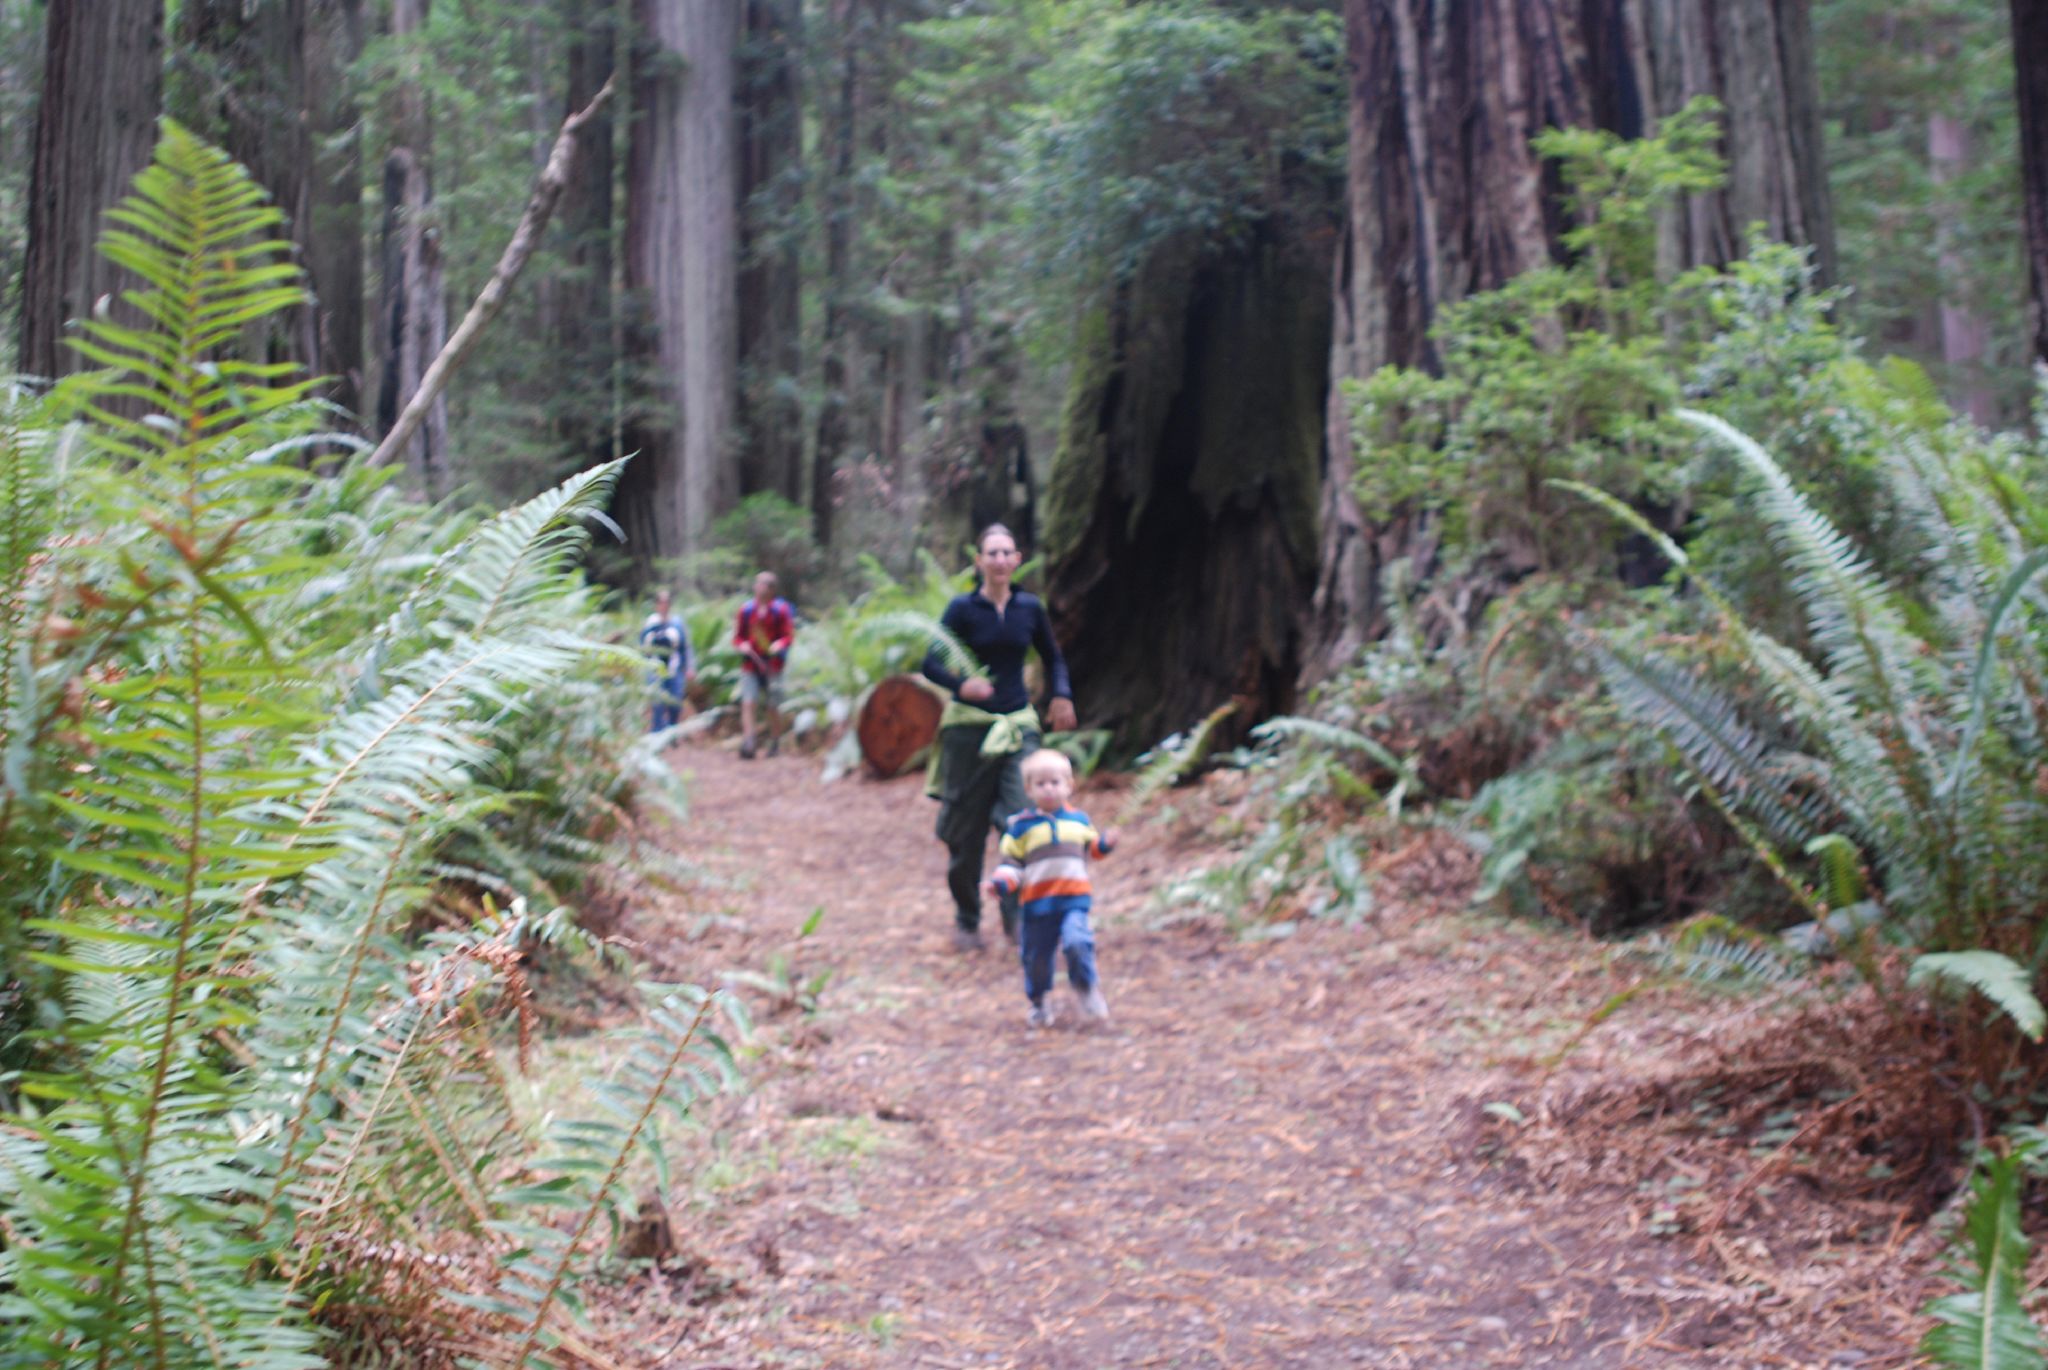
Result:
[299,779]
[1709,621]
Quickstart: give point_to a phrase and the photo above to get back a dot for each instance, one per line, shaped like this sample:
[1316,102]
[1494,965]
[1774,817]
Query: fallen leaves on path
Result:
[1338,1148]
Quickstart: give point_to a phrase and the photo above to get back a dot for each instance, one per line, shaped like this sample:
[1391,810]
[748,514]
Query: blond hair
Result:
[1046,758]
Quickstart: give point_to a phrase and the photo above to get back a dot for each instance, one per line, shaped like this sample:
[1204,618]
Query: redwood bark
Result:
[242,84]
[333,238]
[840,139]
[2030,63]
[1756,57]
[577,303]
[413,312]
[1446,197]
[95,129]
[682,250]
[1965,335]
[770,278]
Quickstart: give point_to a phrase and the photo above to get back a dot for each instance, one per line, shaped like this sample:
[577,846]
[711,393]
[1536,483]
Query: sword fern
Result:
[233,765]
[1912,736]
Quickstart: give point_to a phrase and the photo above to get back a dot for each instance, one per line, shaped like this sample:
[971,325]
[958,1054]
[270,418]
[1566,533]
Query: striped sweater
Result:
[1045,858]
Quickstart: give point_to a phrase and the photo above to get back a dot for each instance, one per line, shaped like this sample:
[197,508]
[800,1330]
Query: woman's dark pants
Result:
[976,793]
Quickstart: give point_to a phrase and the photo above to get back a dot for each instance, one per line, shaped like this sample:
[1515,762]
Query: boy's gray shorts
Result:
[754,689]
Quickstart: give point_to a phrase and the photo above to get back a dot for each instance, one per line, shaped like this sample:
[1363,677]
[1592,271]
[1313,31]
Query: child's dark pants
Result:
[1039,936]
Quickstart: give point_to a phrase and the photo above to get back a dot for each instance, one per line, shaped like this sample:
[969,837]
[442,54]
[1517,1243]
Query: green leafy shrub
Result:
[1567,370]
[249,711]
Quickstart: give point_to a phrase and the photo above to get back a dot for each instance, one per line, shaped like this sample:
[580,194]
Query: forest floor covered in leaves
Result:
[1347,1146]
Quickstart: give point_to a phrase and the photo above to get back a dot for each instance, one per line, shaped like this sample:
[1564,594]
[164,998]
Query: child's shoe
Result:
[1093,1005]
[1042,1014]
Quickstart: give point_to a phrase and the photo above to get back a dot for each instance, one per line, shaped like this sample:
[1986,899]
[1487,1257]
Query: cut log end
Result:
[899,720]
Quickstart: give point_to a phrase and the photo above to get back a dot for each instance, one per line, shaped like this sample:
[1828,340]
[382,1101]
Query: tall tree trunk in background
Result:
[95,128]
[2030,63]
[20,84]
[412,316]
[682,254]
[840,138]
[1446,197]
[577,301]
[333,242]
[1756,58]
[1190,453]
[770,281]
[1964,333]
[239,80]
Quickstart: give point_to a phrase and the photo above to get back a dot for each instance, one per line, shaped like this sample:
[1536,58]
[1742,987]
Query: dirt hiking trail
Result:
[1277,1153]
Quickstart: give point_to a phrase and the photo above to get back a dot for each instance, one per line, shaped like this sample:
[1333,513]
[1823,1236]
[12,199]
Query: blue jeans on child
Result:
[669,710]
[1038,937]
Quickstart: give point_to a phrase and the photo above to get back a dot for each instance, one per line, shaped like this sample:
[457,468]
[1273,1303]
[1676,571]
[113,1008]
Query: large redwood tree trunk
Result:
[1446,197]
[682,254]
[2030,62]
[270,83]
[95,128]
[1755,57]
[770,277]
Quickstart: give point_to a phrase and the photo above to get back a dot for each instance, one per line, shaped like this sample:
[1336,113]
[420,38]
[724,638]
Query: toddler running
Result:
[1045,853]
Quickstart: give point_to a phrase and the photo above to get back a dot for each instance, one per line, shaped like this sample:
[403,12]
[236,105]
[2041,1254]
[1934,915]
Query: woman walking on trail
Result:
[989,723]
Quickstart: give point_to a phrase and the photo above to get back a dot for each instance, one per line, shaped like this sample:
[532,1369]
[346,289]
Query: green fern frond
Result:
[1708,730]
[1336,737]
[1981,675]
[1171,763]
[908,625]
[663,1068]
[1986,1327]
[196,233]
[1726,955]
[1847,608]
[2003,981]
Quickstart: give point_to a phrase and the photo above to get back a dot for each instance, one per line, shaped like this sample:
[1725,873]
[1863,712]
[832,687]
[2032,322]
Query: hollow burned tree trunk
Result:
[1181,515]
